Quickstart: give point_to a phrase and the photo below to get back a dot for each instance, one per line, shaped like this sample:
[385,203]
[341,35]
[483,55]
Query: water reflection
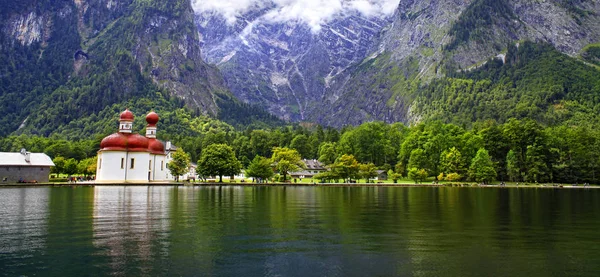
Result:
[298,231]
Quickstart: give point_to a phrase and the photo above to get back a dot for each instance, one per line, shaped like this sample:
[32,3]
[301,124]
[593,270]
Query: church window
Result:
[122,163]
[149,165]
[162,165]
[132,163]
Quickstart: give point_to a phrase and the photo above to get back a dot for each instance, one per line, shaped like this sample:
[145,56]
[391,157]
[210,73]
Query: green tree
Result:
[512,169]
[260,167]
[327,152]
[418,159]
[393,176]
[219,160]
[418,175]
[301,144]
[286,160]
[367,171]
[87,166]
[452,161]
[537,168]
[59,165]
[482,167]
[70,166]
[346,167]
[179,164]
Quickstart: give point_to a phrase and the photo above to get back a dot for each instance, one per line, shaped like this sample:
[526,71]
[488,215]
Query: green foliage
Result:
[476,21]
[179,164]
[417,175]
[346,167]
[418,159]
[286,160]
[482,168]
[367,171]
[453,177]
[87,166]
[59,165]
[452,161]
[512,168]
[301,144]
[219,160]
[393,176]
[260,168]
[70,166]
[536,82]
[591,53]
[327,152]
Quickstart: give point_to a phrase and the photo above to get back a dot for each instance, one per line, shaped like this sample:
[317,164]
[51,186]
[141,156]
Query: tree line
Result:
[518,150]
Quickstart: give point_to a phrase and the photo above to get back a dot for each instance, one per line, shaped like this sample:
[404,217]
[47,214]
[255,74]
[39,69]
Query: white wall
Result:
[159,173]
[139,172]
[109,166]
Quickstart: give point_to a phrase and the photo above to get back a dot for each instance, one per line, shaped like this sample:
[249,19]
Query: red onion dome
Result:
[126,115]
[116,141]
[124,142]
[156,146]
[152,118]
[137,143]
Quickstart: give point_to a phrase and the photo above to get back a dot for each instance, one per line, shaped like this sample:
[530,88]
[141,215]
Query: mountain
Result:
[431,40]
[70,66]
[286,67]
[398,62]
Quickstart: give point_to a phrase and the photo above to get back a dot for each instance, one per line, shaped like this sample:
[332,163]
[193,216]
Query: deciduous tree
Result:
[219,160]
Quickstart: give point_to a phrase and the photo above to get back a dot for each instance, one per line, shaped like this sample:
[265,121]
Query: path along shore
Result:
[212,184]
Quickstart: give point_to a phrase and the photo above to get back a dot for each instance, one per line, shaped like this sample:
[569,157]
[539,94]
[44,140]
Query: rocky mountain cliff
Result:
[66,60]
[310,76]
[285,66]
[430,39]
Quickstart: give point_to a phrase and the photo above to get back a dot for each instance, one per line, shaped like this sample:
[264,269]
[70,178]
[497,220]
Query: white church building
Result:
[125,157]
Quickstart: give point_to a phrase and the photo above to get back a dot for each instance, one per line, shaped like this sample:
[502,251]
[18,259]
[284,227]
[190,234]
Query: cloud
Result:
[312,12]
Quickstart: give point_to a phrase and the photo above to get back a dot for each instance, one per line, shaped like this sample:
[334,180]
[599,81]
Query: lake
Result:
[299,231]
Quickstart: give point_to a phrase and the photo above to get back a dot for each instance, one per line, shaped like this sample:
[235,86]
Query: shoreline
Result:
[225,184]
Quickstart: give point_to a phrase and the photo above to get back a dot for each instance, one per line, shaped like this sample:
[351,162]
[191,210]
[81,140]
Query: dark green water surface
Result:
[299,231]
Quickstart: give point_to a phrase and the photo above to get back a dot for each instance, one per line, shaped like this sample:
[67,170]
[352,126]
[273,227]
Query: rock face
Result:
[285,67]
[106,50]
[356,70]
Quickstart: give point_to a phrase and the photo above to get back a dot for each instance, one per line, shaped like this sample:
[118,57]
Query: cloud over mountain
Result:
[312,12]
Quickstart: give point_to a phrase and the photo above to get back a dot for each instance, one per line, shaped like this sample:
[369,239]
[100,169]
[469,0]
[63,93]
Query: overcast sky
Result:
[312,12]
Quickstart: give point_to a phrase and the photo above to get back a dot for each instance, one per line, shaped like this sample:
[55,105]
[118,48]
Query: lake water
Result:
[299,231]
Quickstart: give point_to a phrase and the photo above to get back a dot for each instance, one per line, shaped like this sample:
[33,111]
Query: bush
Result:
[453,177]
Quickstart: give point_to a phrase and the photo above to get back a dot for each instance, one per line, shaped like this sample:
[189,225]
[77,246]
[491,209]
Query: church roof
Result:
[18,159]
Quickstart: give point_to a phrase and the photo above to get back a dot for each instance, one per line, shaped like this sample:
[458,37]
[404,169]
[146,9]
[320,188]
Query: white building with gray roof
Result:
[24,167]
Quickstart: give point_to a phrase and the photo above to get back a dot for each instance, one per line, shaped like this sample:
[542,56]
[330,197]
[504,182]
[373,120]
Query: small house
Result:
[24,167]
[313,167]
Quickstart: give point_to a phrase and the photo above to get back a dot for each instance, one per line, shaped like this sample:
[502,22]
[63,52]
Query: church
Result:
[126,157]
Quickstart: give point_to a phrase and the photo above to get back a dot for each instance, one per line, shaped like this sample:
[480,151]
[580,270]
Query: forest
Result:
[518,150]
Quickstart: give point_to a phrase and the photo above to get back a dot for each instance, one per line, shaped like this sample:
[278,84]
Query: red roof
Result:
[152,119]
[124,142]
[156,146]
[126,115]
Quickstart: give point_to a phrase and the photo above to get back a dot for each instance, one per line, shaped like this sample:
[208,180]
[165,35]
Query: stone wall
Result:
[12,174]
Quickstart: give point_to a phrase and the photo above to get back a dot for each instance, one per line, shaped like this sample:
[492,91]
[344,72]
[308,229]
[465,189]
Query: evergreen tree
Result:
[260,167]
[482,167]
